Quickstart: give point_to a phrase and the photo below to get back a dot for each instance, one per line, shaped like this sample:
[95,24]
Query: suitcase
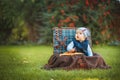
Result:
[62,37]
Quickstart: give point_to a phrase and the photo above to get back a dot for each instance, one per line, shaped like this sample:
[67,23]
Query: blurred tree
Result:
[33,20]
[9,13]
[94,14]
[19,17]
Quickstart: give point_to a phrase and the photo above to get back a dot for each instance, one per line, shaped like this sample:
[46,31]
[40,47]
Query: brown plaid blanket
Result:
[78,61]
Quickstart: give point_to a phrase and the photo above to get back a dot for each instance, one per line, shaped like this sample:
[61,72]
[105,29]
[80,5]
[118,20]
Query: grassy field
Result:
[24,62]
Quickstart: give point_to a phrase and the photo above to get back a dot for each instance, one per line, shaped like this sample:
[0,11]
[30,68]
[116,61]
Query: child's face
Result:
[79,35]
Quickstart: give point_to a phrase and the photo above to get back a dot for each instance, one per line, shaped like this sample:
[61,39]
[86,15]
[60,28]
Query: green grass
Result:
[24,62]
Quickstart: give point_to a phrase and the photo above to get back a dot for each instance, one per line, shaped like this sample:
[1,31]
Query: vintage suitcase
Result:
[62,37]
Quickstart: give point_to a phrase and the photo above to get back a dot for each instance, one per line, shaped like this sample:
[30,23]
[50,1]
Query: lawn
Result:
[24,62]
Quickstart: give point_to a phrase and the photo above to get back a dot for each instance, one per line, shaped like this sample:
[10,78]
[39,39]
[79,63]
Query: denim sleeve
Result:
[70,46]
[89,51]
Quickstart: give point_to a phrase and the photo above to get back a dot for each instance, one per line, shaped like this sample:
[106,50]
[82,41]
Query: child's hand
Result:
[72,50]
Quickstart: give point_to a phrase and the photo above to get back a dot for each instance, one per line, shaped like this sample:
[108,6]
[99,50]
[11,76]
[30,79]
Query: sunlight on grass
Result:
[25,62]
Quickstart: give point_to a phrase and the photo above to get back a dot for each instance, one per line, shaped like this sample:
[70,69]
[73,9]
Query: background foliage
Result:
[31,21]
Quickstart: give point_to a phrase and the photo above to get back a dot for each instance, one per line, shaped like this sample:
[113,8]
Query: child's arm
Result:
[89,51]
[70,47]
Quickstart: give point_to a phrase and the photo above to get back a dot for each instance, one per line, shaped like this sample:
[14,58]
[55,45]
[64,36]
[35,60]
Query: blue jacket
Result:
[81,47]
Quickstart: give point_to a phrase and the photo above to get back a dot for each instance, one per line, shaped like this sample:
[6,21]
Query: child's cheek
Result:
[82,38]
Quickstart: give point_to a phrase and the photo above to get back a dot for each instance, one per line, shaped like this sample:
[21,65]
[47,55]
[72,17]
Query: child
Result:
[80,43]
